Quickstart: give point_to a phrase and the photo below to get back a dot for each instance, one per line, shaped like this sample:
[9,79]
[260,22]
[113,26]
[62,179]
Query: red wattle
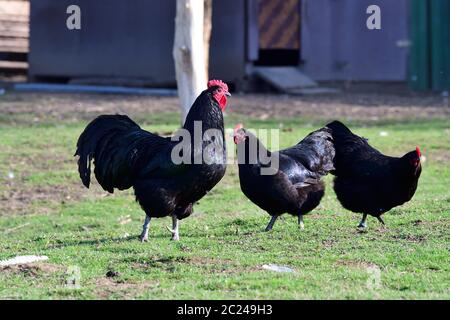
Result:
[223,103]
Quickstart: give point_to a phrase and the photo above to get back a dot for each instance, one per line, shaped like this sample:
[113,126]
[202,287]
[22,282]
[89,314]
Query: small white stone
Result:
[277,268]
[384,133]
[22,260]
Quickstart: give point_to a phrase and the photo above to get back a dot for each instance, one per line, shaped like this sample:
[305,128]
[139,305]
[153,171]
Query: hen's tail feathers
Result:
[350,148]
[97,142]
[316,152]
[320,142]
[338,127]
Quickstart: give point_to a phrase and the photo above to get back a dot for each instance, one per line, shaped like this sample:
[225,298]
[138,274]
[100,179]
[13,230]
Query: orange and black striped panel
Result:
[279,24]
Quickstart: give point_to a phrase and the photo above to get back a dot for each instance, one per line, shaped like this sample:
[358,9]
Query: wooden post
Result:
[207,28]
[189,52]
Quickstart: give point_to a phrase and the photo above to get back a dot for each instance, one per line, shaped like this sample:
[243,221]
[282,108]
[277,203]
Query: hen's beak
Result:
[228,94]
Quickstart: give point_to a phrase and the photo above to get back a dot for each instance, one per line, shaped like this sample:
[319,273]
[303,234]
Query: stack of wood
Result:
[14,34]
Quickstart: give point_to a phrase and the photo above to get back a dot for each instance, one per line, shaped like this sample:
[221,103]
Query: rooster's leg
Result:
[363,224]
[271,223]
[175,235]
[174,230]
[145,226]
[300,222]
[381,221]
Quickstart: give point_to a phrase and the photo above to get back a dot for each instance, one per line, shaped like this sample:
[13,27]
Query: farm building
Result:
[326,40]
[14,35]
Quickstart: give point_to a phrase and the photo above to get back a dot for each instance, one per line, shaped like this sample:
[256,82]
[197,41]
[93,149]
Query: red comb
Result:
[220,83]
[419,154]
[238,127]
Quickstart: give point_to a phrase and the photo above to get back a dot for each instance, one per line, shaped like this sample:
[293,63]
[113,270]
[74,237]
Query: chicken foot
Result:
[174,230]
[300,222]
[271,223]
[144,235]
[363,223]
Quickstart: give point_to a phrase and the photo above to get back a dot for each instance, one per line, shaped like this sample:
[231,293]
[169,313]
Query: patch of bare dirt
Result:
[354,103]
[425,223]
[355,264]
[18,198]
[442,156]
[329,243]
[208,264]
[74,107]
[41,161]
[33,270]
[352,106]
[126,290]
[410,238]
[217,265]
[161,261]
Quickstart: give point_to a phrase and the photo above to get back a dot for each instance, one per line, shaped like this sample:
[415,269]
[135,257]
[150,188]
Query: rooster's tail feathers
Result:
[95,143]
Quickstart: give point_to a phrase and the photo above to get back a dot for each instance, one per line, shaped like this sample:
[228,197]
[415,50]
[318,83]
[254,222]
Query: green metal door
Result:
[440,44]
[419,73]
[430,45]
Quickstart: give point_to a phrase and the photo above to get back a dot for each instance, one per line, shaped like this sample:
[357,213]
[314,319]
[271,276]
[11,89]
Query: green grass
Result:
[45,211]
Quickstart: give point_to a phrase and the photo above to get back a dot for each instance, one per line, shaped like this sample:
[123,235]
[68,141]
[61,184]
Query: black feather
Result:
[125,156]
[296,187]
[368,181]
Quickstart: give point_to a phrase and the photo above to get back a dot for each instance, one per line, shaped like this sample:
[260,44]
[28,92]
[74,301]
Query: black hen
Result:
[291,181]
[366,180]
[127,156]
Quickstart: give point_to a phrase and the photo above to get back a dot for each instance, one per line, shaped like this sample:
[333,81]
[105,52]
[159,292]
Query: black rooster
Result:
[291,181]
[366,180]
[126,156]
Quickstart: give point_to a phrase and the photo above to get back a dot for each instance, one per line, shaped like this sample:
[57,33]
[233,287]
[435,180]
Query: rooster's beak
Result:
[228,94]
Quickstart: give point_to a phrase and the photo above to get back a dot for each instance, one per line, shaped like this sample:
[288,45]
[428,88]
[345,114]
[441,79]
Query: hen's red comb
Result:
[419,154]
[220,83]
[238,127]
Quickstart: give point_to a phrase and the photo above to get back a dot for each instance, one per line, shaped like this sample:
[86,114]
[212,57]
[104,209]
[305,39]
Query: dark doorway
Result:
[279,33]
[278,57]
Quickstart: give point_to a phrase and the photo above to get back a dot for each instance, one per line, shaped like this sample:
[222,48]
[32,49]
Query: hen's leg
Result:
[363,224]
[271,223]
[174,230]
[381,221]
[300,222]
[145,226]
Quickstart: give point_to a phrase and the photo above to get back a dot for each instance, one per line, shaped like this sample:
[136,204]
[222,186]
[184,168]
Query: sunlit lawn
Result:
[45,211]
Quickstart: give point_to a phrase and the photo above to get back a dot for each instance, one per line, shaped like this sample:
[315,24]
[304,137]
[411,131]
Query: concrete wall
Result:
[127,39]
[134,38]
[336,44]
